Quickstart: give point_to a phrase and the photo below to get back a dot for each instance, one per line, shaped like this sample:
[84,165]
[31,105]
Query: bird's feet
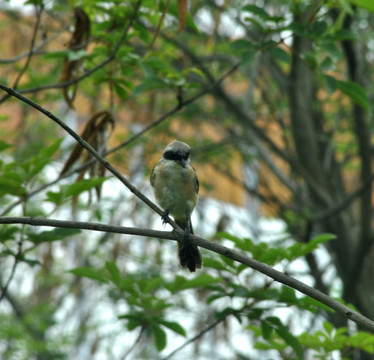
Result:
[165,217]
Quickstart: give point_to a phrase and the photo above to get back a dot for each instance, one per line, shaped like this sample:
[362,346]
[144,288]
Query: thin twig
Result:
[109,59]
[30,54]
[17,258]
[136,342]
[197,336]
[209,245]
[36,48]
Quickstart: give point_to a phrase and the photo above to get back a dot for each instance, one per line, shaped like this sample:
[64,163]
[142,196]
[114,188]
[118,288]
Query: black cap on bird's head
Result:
[177,150]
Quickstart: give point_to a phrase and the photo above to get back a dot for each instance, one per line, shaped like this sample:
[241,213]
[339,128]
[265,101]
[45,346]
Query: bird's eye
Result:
[170,155]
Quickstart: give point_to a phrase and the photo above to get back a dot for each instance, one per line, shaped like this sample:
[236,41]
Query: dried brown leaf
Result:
[96,132]
[183,11]
[78,41]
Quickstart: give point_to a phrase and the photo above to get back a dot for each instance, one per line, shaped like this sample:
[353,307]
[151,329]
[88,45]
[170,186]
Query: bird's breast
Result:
[175,188]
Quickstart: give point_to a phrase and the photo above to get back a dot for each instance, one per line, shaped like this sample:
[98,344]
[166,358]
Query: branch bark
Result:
[177,235]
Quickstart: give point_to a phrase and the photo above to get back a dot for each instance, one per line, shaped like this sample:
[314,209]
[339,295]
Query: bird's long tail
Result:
[188,253]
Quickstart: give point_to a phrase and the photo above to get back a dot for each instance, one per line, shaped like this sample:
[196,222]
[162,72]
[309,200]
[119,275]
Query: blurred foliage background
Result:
[274,97]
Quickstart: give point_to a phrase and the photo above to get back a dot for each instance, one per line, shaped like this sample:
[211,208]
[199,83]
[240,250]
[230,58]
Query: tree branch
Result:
[176,235]
[90,149]
[147,128]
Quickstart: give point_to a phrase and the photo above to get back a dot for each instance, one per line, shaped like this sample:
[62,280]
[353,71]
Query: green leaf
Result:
[120,91]
[114,273]
[332,50]
[266,330]
[283,332]
[181,283]
[75,189]
[9,186]
[317,240]
[331,83]
[319,28]
[8,232]
[74,55]
[56,54]
[328,327]
[243,244]
[134,320]
[241,45]
[214,264]
[149,83]
[4,145]
[89,273]
[52,235]
[172,325]
[365,4]
[84,185]
[152,284]
[287,295]
[43,158]
[290,340]
[31,262]
[159,337]
[279,54]
[201,280]
[327,64]
[356,92]
[55,197]
[259,11]
[272,256]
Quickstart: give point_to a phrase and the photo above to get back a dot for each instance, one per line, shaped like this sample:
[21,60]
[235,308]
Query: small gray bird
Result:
[176,188]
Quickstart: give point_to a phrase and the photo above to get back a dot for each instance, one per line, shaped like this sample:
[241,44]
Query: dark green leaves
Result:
[14,176]
[284,333]
[181,283]
[149,83]
[52,235]
[75,189]
[272,255]
[89,273]
[353,90]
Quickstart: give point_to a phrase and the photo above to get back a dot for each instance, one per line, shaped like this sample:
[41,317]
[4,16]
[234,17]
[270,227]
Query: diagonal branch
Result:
[147,128]
[90,149]
[209,245]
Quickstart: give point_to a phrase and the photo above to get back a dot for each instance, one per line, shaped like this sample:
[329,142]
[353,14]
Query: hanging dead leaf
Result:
[183,11]
[78,42]
[96,132]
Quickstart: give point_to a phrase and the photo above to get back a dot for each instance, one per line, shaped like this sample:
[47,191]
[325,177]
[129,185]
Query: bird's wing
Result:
[196,181]
[153,174]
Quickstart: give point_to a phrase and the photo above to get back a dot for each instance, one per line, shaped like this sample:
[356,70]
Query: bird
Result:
[176,187]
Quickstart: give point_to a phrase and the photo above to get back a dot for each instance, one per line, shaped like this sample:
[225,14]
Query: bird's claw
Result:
[165,217]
